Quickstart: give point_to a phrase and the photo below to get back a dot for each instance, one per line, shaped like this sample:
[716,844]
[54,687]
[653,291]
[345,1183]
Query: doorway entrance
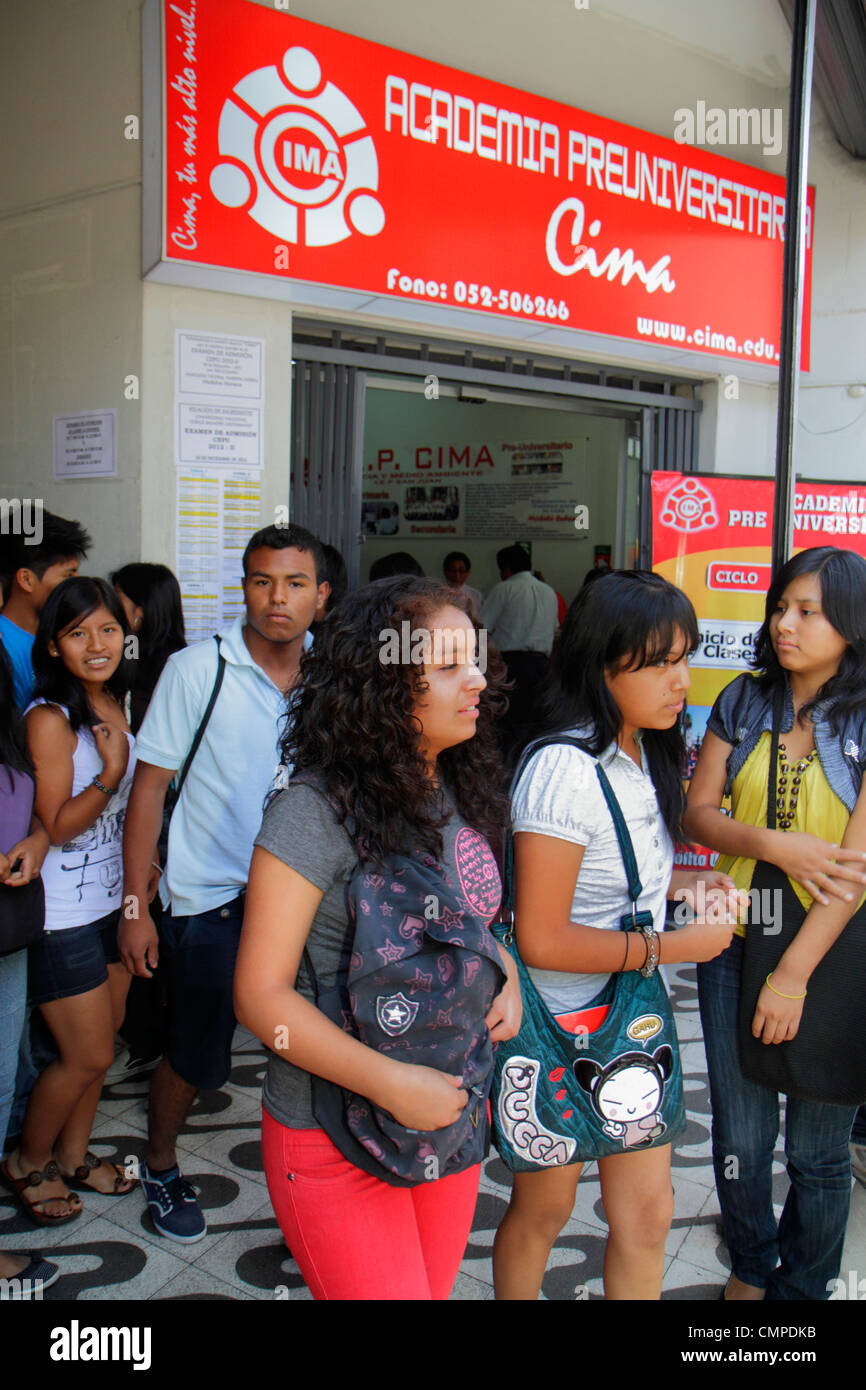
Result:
[400,443]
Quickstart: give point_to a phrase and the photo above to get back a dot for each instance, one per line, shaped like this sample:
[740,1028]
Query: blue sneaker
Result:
[37,1274]
[173,1206]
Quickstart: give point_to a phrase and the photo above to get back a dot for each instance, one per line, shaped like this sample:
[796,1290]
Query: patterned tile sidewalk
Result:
[113,1252]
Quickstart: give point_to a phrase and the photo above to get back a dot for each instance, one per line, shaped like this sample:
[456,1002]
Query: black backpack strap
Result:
[310,969]
[199,735]
[305,779]
[344,959]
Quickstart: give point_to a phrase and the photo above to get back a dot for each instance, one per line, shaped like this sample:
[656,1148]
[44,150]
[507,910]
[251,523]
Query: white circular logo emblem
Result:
[689,507]
[296,155]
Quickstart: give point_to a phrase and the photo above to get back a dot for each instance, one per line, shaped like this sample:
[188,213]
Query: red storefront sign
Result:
[298,152]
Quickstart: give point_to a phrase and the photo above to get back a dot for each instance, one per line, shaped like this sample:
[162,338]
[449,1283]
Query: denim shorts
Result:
[72,961]
[199,953]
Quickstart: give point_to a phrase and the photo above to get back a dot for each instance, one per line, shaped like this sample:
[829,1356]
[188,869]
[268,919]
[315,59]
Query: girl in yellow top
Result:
[811,653]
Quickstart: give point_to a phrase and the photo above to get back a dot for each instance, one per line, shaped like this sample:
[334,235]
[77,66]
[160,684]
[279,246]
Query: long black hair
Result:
[13,739]
[626,620]
[336,574]
[842,577]
[74,599]
[353,728]
[156,591]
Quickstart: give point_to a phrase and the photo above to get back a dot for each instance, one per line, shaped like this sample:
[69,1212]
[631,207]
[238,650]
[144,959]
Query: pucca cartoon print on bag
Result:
[627,1094]
[519,1119]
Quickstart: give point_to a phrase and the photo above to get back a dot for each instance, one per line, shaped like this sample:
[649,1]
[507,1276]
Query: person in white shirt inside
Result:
[213,825]
[457,567]
[520,614]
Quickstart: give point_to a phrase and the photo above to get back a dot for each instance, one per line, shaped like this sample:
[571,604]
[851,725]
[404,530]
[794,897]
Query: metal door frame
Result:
[336,359]
[320,436]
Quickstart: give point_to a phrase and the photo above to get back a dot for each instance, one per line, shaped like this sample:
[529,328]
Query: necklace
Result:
[785,813]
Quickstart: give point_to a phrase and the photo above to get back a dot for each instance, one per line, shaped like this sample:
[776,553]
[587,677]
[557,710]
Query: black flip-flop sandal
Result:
[80,1179]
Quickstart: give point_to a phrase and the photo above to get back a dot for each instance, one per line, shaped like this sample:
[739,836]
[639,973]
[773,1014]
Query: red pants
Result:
[355,1237]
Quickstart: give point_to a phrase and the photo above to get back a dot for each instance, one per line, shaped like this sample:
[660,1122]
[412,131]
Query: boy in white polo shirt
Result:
[213,826]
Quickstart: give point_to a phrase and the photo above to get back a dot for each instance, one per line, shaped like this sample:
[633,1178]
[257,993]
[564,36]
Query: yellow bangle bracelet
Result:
[779,992]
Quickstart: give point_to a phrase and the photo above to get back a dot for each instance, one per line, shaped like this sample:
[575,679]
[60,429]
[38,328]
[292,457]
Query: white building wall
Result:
[831,438]
[70,294]
[740,434]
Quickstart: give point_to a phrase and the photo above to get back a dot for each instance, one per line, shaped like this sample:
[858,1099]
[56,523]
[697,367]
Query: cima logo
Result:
[689,507]
[296,155]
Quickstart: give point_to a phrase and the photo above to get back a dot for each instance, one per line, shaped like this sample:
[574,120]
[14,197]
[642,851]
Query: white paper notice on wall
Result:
[217,511]
[210,433]
[219,399]
[213,364]
[85,445]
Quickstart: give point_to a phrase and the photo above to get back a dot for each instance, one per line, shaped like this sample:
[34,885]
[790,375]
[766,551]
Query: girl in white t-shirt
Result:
[83,758]
[619,680]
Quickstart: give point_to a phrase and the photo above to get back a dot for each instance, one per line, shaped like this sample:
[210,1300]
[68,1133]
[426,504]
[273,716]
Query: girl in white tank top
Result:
[83,878]
[83,757]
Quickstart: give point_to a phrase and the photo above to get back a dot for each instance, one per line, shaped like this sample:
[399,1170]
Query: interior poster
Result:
[522,488]
[712,537]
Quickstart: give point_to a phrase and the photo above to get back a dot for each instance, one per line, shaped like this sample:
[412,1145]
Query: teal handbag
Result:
[560,1097]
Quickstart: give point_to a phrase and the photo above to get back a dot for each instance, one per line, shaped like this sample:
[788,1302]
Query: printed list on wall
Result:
[219,406]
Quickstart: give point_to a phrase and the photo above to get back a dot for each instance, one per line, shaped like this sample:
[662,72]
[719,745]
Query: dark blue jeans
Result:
[796,1258]
[198,957]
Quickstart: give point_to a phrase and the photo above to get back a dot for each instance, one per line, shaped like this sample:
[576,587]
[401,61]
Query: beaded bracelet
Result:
[652,960]
[106,791]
